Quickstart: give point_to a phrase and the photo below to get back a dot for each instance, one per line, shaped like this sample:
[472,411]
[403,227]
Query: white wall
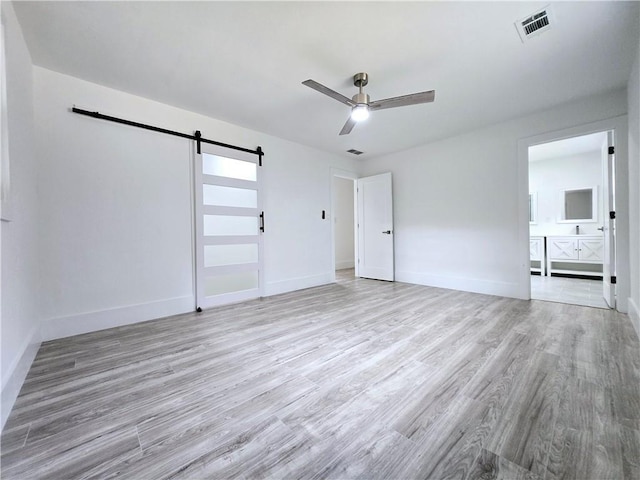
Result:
[116,233]
[19,249]
[549,177]
[633,90]
[458,206]
[343,217]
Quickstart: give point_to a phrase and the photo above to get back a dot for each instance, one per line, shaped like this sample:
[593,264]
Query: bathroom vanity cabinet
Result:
[573,252]
[536,254]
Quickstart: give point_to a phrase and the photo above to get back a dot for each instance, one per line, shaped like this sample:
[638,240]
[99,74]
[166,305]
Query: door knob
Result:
[601,229]
[388,232]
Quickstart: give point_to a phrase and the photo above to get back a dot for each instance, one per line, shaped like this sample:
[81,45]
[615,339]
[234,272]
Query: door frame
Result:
[609,234]
[335,172]
[619,126]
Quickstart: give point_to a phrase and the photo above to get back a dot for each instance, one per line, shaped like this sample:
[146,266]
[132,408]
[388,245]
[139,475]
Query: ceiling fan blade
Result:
[348,126]
[411,99]
[327,91]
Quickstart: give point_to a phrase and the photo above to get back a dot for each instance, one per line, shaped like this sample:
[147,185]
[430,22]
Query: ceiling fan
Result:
[361,104]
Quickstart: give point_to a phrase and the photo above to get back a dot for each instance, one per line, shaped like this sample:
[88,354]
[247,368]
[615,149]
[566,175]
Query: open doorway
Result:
[344,204]
[571,235]
[362,226]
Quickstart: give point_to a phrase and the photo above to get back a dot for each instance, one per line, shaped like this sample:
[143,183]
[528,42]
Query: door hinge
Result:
[358,260]
[612,150]
[613,279]
[612,215]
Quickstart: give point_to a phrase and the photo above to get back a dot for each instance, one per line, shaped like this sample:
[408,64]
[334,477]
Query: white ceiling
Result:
[244,62]
[567,147]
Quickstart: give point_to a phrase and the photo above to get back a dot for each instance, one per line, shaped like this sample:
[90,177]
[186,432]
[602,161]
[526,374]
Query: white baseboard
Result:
[12,384]
[342,264]
[634,314]
[487,287]
[92,321]
[284,286]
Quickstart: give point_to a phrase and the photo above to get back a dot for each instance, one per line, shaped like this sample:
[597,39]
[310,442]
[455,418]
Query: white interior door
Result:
[229,225]
[608,224]
[375,227]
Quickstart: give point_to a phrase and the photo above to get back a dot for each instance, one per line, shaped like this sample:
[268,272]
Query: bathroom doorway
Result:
[571,234]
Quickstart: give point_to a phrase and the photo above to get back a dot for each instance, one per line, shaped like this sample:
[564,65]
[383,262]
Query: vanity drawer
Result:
[563,248]
[536,254]
[591,250]
[536,248]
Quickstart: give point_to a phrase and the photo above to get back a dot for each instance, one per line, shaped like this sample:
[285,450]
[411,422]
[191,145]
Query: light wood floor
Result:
[360,379]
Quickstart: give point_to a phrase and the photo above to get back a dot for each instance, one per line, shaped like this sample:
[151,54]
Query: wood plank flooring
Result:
[359,379]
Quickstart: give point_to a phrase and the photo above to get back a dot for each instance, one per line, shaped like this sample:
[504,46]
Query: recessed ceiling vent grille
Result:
[355,152]
[535,24]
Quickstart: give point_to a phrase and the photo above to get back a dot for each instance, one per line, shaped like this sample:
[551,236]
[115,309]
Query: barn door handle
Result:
[388,232]
[262,222]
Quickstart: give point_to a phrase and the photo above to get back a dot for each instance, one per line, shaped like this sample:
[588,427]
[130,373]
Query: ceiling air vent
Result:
[535,24]
[355,152]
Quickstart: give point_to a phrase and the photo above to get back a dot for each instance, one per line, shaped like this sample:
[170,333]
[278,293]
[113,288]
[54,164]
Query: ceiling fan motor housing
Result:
[360,80]
[361,99]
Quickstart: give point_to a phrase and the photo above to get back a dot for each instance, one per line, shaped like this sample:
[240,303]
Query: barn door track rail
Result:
[197,137]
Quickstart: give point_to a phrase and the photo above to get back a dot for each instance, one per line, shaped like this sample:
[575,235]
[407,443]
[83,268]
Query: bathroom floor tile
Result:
[575,291]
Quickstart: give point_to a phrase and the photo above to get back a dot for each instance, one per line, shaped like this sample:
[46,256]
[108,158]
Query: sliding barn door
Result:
[229,226]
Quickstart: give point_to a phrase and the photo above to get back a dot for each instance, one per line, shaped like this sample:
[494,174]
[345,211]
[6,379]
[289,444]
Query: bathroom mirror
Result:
[578,205]
[533,208]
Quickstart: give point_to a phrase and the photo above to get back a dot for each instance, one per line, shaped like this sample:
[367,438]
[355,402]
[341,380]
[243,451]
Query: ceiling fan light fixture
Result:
[360,112]
[361,104]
